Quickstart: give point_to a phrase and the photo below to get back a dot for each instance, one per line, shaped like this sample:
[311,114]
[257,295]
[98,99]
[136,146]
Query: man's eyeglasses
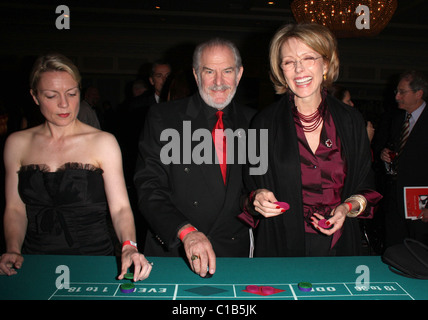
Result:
[305,63]
[401,92]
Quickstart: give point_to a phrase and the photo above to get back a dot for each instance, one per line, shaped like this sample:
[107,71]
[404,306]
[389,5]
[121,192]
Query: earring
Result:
[324,77]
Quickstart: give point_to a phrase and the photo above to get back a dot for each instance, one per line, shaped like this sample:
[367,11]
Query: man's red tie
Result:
[220,143]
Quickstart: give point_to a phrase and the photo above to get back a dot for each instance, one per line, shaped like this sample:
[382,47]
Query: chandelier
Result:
[342,18]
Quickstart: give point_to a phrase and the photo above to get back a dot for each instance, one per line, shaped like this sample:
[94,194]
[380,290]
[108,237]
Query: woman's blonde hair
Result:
[315,36]
[52,62]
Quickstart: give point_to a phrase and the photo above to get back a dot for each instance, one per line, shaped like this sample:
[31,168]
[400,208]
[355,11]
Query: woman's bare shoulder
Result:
[17,145]
[22,136]
[100,137]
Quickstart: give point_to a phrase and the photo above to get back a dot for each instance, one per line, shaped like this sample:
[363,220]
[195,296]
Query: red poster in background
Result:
[415,199]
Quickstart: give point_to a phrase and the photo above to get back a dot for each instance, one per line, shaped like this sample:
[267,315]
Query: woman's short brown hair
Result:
[315,36]
[52,62]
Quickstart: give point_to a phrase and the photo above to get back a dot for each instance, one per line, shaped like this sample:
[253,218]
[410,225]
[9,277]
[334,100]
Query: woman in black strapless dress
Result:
[64,180]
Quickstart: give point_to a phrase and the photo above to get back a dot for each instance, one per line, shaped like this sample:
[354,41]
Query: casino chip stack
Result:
[128,287]
[305,286]
[262,290]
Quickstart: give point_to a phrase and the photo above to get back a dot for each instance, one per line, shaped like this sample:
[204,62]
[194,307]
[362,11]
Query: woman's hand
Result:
[338,216]
[142,267]
[264,203]
[9,262]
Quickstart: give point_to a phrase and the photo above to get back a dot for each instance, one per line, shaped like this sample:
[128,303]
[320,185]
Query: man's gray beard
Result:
[209,101]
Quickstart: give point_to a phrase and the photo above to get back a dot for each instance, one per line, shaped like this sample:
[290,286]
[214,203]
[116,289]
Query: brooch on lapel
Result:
[328,143]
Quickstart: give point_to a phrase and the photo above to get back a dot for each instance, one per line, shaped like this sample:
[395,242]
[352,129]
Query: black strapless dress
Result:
[67,210]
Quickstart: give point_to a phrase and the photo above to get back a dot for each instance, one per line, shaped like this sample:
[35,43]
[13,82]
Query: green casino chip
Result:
[305,286]
[129,276]
[127,287]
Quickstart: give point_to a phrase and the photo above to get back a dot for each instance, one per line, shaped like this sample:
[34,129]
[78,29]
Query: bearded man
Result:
[192,206]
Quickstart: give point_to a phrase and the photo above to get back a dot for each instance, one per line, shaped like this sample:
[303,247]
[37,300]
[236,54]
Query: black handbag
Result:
[409,259]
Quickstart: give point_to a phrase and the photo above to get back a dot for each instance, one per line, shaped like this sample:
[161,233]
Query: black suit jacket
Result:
[172,195]
[130,124]
[413,160]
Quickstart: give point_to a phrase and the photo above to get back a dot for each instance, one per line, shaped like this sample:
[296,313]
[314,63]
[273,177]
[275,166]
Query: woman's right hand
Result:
[9,262]
[264,203]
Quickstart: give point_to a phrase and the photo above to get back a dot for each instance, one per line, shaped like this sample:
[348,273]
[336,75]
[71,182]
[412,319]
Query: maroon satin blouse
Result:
[323,173]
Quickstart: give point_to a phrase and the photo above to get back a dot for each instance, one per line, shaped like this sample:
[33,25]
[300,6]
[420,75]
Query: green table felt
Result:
[48,277]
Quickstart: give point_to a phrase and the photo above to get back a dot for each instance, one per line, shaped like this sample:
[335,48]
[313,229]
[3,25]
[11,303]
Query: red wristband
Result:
[186,231]
[349,205]
[129,243]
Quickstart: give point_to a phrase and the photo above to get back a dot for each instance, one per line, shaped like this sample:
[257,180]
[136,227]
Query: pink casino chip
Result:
[323,224]
[283,205]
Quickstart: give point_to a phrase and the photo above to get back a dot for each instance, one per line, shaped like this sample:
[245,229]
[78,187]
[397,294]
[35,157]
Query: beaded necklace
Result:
[310,123]
[314,118]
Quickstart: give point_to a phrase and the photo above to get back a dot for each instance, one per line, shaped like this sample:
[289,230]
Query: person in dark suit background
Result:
[160,73]
[87,112]
[190,208]
[411,161]
[133,115]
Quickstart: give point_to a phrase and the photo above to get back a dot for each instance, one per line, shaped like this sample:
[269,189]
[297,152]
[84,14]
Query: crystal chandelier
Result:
[342,16]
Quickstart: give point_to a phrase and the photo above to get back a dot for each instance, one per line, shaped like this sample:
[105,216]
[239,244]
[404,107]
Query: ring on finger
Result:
[194,257]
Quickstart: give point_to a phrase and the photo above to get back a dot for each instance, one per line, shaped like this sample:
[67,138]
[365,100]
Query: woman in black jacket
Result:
[318,155]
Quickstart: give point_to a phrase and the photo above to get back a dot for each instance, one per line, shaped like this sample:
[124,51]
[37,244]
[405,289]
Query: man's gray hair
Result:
[216,42]
[417,81]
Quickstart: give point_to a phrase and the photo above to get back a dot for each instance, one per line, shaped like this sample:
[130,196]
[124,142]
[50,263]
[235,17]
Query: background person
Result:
[343,94]
[87,110]
[410,160]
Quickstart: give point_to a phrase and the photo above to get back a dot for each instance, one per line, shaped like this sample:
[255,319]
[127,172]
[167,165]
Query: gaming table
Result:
[48,277]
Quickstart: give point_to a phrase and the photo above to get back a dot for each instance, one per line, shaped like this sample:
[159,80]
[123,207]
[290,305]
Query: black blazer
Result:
[172,195]
[413,160]
[284,235]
